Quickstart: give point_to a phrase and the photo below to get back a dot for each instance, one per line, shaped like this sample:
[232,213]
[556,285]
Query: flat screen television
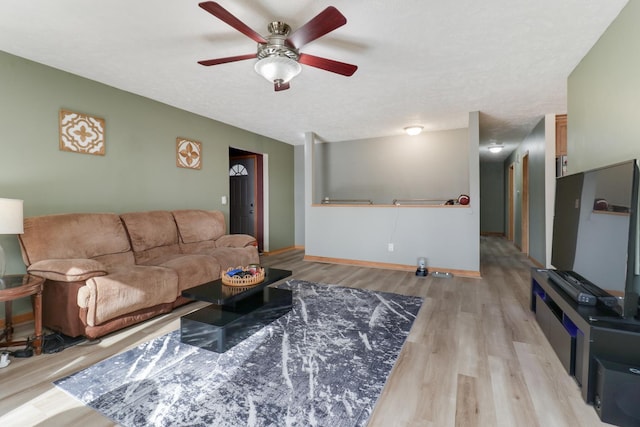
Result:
[595,231]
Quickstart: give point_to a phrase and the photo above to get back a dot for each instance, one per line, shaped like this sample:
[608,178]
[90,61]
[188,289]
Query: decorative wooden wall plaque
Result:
[188,153]
[81,133]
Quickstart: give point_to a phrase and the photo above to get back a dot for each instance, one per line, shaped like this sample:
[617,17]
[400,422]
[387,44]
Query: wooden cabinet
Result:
[561,135]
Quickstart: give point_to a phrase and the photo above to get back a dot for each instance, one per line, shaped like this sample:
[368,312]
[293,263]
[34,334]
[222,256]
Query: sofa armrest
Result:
[67,270]
[236,241]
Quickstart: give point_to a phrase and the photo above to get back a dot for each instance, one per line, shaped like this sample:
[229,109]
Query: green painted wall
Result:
[604,97]
[139,169]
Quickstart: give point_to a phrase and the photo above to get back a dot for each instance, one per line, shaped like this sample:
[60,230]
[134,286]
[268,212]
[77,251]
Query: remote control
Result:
[233,272]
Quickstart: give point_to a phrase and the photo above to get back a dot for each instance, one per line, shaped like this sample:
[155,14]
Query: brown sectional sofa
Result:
[106,271]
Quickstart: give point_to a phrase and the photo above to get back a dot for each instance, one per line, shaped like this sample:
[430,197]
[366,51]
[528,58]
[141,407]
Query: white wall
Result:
[432,165]
[447,236]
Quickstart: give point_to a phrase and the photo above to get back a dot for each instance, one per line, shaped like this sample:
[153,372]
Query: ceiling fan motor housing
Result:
[277,42]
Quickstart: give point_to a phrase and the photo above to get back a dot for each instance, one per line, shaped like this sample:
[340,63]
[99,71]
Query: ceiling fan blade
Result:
[225,16]
[217,61]
[278,86]
[323,23]
[328,64]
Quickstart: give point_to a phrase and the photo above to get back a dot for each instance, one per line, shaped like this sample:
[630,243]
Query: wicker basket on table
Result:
[234,285]
[246,281]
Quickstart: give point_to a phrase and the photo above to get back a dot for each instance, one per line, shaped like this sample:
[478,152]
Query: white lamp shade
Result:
[495,148]
[11,218]
[275,68]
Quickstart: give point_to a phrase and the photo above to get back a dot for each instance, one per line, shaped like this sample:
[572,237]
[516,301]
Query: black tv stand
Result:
[587,340]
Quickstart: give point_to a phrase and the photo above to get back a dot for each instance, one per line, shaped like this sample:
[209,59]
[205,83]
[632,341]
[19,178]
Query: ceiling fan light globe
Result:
[278,68]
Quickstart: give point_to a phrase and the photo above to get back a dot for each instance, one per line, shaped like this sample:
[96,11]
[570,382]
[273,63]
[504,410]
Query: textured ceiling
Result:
[426,62]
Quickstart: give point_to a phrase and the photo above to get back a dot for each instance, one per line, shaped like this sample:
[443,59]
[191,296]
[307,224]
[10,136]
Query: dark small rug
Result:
[322,364]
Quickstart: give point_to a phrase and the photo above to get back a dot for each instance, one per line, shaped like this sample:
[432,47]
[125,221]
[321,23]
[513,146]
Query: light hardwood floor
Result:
[475,355]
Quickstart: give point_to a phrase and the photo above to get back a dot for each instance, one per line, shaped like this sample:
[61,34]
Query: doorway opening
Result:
[246,194]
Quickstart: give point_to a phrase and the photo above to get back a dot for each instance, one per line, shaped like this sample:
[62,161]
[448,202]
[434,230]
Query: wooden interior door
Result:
[511,219]
[525,204]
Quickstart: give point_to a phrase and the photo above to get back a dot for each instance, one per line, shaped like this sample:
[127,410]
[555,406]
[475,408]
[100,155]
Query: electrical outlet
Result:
[390,247]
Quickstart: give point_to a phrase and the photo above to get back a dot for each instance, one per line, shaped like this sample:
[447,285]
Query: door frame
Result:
[260,194]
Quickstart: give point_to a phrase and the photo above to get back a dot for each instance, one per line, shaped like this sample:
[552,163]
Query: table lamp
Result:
[11,222]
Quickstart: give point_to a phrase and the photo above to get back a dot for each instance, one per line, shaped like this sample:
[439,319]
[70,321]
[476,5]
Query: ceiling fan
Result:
[278,53]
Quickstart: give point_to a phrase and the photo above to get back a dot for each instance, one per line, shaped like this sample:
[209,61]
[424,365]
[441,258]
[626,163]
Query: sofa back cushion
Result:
[99,236]
[153,235]
[196,225]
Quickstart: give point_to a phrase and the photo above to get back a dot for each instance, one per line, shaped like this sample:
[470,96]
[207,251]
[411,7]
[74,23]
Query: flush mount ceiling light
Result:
[495,148]
[413,130]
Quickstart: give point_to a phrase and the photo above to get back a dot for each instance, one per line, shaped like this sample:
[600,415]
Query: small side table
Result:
[17,286]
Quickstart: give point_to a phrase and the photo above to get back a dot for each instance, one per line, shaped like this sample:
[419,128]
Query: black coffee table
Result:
[234,313]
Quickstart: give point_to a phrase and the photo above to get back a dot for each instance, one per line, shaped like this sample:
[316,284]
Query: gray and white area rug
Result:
[322,364]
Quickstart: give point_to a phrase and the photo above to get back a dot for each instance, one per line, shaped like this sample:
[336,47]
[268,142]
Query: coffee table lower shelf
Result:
[218,328]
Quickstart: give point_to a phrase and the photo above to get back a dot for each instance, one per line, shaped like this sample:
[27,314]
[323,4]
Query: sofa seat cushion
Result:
[193,270]
[67,270]
[127,290]
[234,257]
[204,247]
